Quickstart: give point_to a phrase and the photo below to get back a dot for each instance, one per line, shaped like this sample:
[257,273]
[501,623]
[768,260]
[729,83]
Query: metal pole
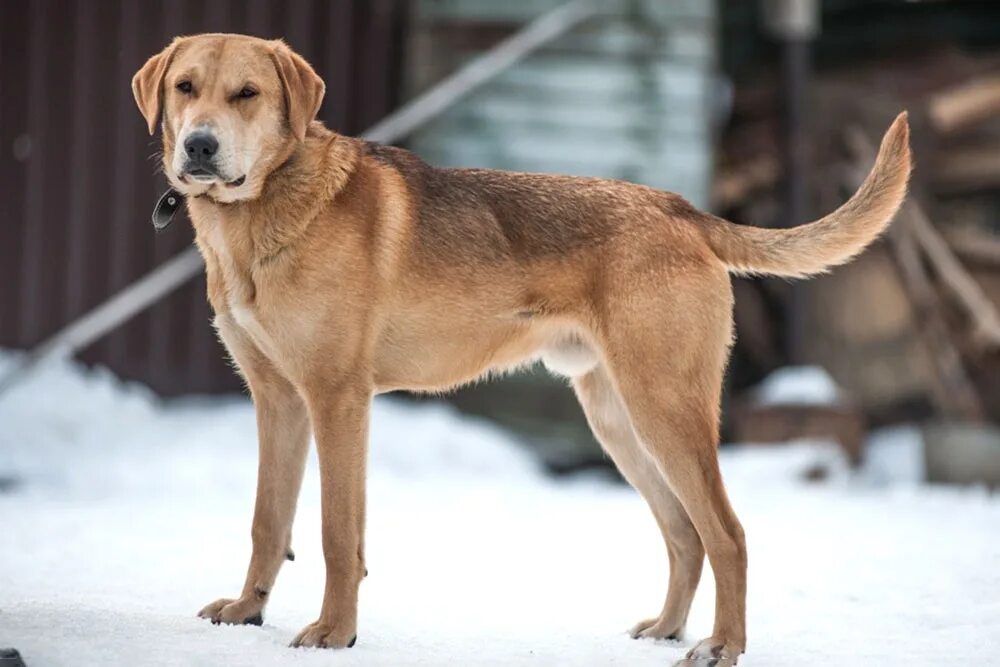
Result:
[187,264]
[796,54]
[795,24]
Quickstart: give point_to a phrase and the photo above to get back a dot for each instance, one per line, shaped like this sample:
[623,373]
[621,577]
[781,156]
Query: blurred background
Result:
[763,112]
[862,451]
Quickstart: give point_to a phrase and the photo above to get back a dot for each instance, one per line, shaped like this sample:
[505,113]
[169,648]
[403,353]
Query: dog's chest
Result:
[236,296]
[247,321]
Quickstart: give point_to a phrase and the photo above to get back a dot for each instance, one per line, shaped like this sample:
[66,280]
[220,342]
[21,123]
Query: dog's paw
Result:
[234,612]
[705,662]
[654,628]
[720,651]
[322,635]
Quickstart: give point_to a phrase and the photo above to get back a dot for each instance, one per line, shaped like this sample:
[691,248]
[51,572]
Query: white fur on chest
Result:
[240,310]
[244,318]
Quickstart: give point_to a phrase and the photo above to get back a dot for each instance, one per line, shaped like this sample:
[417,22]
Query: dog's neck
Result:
[309,175]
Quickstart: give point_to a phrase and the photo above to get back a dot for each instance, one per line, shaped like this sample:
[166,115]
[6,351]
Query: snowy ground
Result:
[134,513]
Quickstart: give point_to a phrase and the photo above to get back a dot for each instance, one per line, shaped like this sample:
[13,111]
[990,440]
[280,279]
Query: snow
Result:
[132,513]
[896,456]
[798,385]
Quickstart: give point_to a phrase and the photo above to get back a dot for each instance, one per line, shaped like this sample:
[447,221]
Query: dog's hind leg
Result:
[666,354]
[611,425]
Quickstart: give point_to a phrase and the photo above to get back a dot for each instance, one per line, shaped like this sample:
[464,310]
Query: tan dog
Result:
[339,269]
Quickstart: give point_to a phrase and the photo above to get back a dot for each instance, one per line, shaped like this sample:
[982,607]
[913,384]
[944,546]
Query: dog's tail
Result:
[832,240]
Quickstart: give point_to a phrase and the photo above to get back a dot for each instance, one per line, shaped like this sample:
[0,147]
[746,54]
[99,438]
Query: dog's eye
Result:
[246,93]
[185,87]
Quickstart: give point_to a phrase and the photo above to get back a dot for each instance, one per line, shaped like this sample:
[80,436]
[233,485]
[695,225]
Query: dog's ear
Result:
[147,85]
[303,88]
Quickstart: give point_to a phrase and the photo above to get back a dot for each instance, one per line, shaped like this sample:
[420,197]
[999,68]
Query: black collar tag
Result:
[164,211]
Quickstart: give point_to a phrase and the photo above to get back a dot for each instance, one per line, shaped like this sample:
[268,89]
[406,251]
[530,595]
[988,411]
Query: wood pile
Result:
[767,424]
[912,328]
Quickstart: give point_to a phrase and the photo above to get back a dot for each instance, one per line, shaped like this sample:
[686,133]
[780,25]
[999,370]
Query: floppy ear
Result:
[147,85]
[303,88]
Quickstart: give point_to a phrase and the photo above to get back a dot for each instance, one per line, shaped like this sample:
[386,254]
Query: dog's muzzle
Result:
[201,147]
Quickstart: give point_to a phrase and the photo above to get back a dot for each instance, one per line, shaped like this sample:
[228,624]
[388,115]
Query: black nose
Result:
[201,146]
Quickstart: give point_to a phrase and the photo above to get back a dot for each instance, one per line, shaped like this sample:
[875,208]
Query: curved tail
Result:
[832,240]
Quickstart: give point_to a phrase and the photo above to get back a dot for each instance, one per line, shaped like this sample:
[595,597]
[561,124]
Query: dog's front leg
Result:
[283,436]
[340,424]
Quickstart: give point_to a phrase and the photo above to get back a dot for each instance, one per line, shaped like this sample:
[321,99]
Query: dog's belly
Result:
[438,360]
[442,360]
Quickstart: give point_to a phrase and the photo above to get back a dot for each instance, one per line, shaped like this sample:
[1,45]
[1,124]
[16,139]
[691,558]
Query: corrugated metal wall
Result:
[77,179]
[629,95]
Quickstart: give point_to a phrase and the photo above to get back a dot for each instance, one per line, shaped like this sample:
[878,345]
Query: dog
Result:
[339,269]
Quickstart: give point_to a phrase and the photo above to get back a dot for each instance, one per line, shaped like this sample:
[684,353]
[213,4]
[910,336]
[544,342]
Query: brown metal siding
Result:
[77,180]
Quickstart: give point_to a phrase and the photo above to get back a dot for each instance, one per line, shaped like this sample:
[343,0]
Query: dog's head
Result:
[232,108]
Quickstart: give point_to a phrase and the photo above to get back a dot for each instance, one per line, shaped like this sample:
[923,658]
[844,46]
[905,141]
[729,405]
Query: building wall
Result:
[77,181]
[627,95]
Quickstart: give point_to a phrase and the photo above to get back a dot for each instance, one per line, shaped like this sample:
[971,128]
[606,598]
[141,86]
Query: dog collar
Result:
[166,207]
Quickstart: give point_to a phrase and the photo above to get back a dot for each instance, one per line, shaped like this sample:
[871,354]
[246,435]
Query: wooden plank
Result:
[967,169]
[953,391]
[976,246]
[965,105]
[967,292]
